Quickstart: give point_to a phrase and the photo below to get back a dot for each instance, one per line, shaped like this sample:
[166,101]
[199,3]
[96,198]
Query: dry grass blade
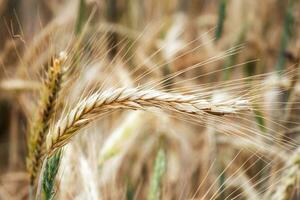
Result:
[18,85]
[136,99]
[41,123]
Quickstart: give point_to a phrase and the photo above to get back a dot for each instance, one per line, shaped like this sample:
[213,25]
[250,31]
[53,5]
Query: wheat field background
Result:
[137,99]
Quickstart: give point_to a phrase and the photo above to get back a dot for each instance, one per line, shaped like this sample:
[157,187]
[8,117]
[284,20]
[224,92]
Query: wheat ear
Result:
[49,174]
[41,122]
[137,99]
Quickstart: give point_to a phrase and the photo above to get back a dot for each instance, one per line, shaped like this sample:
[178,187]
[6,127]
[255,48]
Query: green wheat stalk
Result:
[221,19]
[286,36]
[159,170]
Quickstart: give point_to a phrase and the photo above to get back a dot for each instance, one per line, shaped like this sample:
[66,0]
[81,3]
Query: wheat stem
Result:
[159,171]
[221,19]
[286,36]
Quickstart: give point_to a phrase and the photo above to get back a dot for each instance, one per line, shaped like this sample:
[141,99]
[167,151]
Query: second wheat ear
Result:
[40,124]
[137,99]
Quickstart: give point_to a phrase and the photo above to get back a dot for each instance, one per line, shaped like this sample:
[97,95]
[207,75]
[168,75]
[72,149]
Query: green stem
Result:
[285,37]
[231,60]
[159,170]
[81,18]
[221,19]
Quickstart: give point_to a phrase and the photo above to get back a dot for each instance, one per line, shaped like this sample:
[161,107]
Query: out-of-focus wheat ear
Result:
[100,103]
[113,144]
[49,174]
[158,173]
[284,190]
[40,124]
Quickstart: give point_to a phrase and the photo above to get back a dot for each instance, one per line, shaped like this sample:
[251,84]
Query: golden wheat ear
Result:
[136,99]
[40,124]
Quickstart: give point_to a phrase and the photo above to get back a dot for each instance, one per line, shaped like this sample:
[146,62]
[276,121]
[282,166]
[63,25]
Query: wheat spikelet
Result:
[136,99]
[41,123]
[50,171]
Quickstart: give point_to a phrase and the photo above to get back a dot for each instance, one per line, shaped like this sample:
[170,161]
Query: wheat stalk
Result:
[136,99]
[40,125]
[160,166]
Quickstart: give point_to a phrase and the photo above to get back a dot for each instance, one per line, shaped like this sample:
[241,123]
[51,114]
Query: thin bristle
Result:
[288,182]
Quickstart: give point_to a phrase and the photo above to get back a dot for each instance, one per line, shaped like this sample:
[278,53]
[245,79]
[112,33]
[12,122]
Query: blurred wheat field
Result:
[136,99]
